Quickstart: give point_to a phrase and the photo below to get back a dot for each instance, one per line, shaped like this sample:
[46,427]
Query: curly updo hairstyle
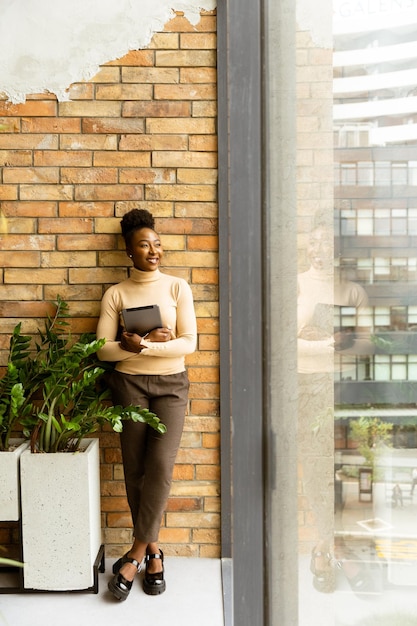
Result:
[134,220]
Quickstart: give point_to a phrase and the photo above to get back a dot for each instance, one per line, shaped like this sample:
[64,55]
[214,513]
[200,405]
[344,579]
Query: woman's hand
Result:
[159,334]
[132,342]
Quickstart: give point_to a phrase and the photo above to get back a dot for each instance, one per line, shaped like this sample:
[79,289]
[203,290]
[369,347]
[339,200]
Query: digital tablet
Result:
[142,319]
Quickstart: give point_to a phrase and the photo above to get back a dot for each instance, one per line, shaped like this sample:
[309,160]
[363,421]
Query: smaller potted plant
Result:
[12,398]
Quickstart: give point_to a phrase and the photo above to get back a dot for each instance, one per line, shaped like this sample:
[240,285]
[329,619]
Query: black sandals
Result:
[324,575]
[120,562]
[154,584]
[119,586]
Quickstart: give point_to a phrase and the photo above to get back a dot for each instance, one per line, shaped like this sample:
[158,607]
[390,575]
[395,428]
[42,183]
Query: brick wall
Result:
[314,195]
[141,133]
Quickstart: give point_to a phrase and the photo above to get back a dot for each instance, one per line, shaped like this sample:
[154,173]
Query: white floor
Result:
[194,595]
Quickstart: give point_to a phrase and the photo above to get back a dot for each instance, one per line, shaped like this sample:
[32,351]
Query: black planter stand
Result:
[18,573]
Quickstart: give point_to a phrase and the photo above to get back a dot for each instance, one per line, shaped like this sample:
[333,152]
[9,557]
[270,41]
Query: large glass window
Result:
[357,334]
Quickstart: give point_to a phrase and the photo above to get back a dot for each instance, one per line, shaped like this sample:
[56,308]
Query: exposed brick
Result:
[85,242]
[206,535]
[141,133]
[178,192]
[185,92]
[184,504]
[136,58]
[150,75]
[108,192]
[50,125]
[96,275]
[205,276]
[89,142]
[65,225]
[145,176]
[26,309]
[191,176]
[10,124]
[192,520]
[180,24]
[110,125]
[31,175]
[208,342]
[35,276]
[88,175]
[208,472]
[11,225]
[81,91]
[23,242]
[119,520]
[204,374]
[156,109]
[202,407]
[183,472]
[210,551]
[15,157]
[206,143]
[46,192]
[190,58]
[29,108]
[107,74]
[202,242]
[86,209]
[194,41]
[155,142]
[189,126]
[89,109]
[8,192]
[124,92]
[121,159]
[161,41]
[29,142]
[19,259]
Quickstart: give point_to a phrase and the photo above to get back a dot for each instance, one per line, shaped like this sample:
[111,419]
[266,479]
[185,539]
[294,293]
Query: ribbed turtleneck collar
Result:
[144,277]
[324,275]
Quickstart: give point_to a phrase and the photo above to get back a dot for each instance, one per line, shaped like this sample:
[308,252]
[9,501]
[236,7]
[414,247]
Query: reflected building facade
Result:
[357,428]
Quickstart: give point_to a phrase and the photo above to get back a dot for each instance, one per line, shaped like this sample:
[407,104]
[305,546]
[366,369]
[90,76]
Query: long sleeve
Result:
[185,336]
[174,297]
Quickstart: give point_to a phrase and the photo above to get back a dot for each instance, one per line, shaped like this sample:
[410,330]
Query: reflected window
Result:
[364,537]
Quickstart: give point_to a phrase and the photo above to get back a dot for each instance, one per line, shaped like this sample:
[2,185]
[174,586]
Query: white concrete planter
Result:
[61,524]
[9,481]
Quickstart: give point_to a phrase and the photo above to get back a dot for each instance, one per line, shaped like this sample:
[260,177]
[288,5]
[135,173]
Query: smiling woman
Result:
[149,372]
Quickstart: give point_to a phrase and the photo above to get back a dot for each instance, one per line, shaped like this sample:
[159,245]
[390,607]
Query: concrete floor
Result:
[194,595]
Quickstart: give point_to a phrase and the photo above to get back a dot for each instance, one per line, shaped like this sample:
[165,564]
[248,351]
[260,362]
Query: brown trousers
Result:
[149,457]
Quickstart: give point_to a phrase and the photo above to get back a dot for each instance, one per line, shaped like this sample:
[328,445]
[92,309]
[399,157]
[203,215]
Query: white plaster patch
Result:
[316,18]
[46,46]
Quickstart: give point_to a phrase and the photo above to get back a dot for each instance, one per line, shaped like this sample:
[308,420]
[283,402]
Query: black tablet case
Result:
[142,319]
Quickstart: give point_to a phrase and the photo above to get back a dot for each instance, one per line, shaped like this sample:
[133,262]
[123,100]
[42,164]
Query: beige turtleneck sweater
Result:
[315,287]
[175,300]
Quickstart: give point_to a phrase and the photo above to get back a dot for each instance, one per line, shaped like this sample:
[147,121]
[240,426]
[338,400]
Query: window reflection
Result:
[359,507]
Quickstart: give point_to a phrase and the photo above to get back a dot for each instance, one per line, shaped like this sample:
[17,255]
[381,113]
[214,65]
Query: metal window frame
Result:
[241,305]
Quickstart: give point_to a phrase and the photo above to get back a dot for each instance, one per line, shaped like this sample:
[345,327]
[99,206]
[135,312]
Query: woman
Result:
[324,348]
[150,373]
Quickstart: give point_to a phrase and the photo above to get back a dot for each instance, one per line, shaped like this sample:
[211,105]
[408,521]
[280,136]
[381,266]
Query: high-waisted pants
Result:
[148,456]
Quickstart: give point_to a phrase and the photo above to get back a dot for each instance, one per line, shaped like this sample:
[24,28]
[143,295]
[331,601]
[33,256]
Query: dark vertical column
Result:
[241,309]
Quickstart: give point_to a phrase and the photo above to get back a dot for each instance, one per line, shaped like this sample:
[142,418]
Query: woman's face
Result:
[320,249]
[145,249]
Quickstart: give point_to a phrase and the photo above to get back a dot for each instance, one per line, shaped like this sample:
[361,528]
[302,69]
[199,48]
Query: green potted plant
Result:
[64,404]
[12,398]
[370,433]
